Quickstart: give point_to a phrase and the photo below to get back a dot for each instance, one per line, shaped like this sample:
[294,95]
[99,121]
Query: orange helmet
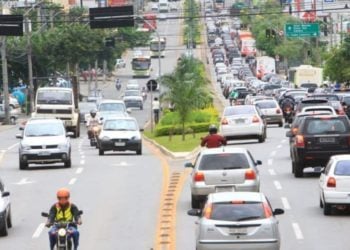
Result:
[63,193]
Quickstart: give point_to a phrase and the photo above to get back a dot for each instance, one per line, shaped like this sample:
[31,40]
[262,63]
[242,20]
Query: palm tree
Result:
[187,88]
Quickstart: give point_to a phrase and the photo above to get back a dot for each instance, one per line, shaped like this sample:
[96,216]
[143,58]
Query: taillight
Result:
[278,111]
[294,131]
[198,176]
[208,210]
[331,182]
[267,210]
[250,174]
[224,121]
[299,141]
[255,119]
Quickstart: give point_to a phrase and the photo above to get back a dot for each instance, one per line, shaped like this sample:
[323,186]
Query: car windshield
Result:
[118,107]
[54,97]
[86,107]
[131,93]
[95,94]
[326,126]
[223,161]
[266,105]
[242,211]
[44,129]
[120,125]
[328,97]
[241,110]
[342,168]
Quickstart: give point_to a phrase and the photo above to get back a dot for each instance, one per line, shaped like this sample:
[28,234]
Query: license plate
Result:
[224,189]
[327,140]
[240,121]
[238,230]
[68,123]
[119,144]
[43,153]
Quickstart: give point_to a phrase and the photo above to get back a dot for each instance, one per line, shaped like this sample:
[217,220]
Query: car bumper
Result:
[268,244]
[241,131]
[317,158]
[132,145]
[336,197]
[44,156]
[201,189]
[272,119]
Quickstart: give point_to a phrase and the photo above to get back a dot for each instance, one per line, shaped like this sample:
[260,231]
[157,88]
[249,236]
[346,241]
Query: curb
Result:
[167,152]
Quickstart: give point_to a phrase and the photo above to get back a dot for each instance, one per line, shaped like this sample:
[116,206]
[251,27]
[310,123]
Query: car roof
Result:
[231,196]
[322,116]
[314,100]
[44,120]
[222,150]
[111,101]
[117,117]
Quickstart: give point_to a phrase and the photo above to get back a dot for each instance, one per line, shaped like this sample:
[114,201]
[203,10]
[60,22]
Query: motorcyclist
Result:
[64,211]
[92,122]
[213,140]
[118,84]
[156,109]
[233,96]
[287,105]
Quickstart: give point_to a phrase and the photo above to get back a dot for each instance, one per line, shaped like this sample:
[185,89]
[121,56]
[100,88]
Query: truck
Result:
[58,103]
[304,75]
[163,6]
[264,65]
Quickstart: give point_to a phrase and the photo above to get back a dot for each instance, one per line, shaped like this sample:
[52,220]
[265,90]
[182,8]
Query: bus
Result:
[141,66]
[163,6]
[248,47]
[305,75]
[157,51]
[264,65]
[150,21]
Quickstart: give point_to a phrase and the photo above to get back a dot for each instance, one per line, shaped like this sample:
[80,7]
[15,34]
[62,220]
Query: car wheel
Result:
[195,203]
[4,226]
[141,107]
[280,124]
[68,163]
[139,151]
[327,208]
[101,152]
[9,219]
[77,131]
[298,169]
[23,165]
[262,138]
[321,204]
[293,167]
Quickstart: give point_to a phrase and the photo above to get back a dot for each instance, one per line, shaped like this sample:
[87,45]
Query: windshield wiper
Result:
[249,218]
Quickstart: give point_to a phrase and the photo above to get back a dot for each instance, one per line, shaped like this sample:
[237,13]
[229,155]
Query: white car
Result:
[111,108]
[174,7]
[334,184]
[319,109]
[162,17]
[154,7]
[271,111]
[243,122]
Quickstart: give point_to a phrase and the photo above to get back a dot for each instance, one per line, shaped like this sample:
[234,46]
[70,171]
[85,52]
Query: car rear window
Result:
[241,110]
[328,97]
[326,126]
[342,168]
[223,161]
[266,105]
[237,212]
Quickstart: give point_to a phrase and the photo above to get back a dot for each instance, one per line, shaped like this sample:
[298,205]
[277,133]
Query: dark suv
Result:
[317,139]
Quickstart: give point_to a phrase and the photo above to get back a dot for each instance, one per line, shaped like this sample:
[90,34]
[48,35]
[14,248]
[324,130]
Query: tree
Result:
[187,88]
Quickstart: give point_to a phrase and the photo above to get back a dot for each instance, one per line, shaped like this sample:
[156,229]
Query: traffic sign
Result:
[111,17]
[11,25]
[302,30]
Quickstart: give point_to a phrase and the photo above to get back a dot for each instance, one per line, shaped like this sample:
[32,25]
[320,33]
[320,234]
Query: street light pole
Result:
[5,80]
[30,65]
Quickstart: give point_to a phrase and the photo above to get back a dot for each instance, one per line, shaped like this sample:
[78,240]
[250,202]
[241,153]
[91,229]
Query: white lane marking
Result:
[284,141]
[23,181]
[3,151]
[82,156]
[38,231]
[79,170]
[285,203]
[273,153]
[297,231]
[269,162]
[279,146]
[277,185]
[13,146]
[82,162]
[271,171]
[72,181]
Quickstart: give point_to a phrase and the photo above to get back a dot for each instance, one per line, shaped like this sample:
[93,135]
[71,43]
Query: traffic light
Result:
[325,28]
[110,42]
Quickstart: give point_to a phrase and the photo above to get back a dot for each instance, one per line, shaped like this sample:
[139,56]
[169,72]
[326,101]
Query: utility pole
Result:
[30,64]
[96,65]
[5,80]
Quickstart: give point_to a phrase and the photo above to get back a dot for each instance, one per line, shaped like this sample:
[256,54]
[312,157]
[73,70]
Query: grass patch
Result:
[177,144]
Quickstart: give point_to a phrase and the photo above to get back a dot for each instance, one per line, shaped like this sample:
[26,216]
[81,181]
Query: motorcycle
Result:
[144,96]
[94,135]
[288,115]
[118,85]
[63,239]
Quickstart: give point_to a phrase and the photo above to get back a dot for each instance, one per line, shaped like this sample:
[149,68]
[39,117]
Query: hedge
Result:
[162,130]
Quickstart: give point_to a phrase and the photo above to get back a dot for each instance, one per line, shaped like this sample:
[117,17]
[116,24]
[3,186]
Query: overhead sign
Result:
[11,25]
[302,30]
[111,17]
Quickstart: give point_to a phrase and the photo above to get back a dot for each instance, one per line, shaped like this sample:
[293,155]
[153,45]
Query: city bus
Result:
[305,75]
[141,66]
[157,51]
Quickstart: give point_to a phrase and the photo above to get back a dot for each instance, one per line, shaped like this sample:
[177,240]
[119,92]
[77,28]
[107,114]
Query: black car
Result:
[345,101]
[5,210]
[317,139]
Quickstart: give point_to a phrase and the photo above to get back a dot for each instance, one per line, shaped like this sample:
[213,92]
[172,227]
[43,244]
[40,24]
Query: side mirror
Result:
[289,134]
[43,214]
[194,212]
[141,130]
[5,194]
[70,134]
[80,212]
[278,211]
[258,162]
[19,136]
[128,110]
[188,165]
[287,126]
[101,118]
[21,128]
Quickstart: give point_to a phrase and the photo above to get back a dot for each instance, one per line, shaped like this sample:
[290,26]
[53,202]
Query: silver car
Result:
[44,141]
[237,220]
[271,111]
[225,169]
[5,210]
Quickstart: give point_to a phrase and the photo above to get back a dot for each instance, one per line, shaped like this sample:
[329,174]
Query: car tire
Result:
[321,203]
[139,151]
[280,124]
[293,167]
[4,228]
[101,152]
[262,138]
[327,208]
[195,202]
[298,170]
[23,165]
[68,163]
[141,107]
[9,219]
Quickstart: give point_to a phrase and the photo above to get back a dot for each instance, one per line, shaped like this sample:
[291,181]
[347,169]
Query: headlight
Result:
[62,232]
[25,147]
[105,138]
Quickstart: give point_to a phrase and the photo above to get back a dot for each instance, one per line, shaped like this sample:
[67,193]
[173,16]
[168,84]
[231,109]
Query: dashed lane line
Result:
[273,153]
[38,230]
[285,203]
[79,170]
[12,146]
[269,162]
[277,185]
[297,231]
[279,146]
[72,181]
[82,162]
[271,171]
